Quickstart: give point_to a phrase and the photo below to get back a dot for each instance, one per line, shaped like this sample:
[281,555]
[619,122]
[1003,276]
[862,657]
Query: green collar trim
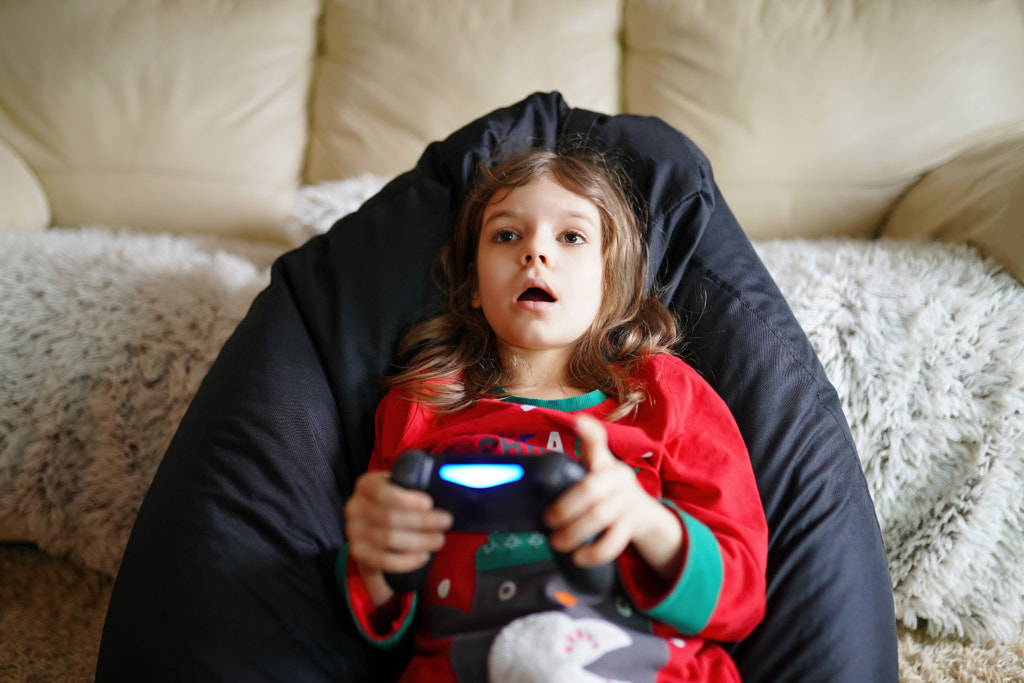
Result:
[566,405]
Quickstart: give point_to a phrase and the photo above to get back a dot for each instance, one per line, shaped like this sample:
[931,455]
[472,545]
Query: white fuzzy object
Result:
[104,337]
[320,206]
[925,345]
[552,647]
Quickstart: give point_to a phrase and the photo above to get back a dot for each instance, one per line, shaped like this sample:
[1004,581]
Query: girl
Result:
[550,342]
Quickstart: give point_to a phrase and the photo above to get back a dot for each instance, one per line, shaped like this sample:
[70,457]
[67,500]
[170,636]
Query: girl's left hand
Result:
[610,502]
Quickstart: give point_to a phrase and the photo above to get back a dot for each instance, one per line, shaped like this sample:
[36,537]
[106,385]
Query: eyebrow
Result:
[506,213]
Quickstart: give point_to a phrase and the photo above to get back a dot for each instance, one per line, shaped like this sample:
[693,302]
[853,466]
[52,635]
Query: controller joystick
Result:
[496,494]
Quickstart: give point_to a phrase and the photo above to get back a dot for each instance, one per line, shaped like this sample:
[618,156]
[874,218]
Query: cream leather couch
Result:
[896,117]
[822,118]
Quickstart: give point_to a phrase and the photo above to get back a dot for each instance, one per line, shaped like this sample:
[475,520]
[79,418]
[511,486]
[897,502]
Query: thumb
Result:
[594,443]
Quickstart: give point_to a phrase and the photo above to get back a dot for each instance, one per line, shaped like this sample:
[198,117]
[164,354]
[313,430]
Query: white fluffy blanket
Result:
[925,345]
[104,337]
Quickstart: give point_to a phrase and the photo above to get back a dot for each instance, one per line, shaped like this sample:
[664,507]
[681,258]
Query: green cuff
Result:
[342,578]
[691,602]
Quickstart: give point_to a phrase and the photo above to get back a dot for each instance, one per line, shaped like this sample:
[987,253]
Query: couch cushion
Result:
[977,197]
[164,115]
[396,74]
[23,204]
[817,114]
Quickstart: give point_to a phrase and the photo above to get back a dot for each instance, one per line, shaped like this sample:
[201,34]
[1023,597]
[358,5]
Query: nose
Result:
[534,251]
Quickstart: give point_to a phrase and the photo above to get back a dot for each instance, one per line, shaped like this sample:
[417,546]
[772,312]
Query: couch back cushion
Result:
[394,75]
[161,115]
[817,114]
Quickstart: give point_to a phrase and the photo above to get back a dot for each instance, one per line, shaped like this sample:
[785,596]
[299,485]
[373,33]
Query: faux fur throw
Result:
[105,336]
[925,345]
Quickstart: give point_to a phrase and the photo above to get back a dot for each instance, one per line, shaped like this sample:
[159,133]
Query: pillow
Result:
[23,204]
[977,197]
[164,115]
[235,542]
[395,75]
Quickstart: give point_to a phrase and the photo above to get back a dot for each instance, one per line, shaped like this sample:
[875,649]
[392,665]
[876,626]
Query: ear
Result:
[475,301]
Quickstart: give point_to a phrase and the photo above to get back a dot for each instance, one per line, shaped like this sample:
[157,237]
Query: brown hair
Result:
[452,360]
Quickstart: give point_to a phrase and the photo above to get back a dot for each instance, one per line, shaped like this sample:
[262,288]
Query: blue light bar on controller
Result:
[481,476]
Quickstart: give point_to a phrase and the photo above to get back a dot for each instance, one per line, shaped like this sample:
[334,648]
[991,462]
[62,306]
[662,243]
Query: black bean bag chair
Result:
[228,572]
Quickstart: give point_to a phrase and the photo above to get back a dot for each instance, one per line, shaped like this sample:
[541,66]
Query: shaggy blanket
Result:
[925,345]
[104,337]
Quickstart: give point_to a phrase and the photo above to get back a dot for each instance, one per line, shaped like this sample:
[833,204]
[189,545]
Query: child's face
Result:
[539,267]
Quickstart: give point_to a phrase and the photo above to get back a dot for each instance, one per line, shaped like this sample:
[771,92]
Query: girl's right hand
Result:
[391,529]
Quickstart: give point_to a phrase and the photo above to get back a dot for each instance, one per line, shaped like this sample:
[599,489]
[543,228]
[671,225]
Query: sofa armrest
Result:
[23,202]
[976,197]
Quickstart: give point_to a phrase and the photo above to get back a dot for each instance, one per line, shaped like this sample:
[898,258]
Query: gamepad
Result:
[496,494]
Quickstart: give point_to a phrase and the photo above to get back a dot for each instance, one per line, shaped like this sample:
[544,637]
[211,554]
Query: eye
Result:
[573,237]
[504,235]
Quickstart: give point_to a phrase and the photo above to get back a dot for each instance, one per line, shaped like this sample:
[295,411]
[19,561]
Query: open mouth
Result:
[536,294]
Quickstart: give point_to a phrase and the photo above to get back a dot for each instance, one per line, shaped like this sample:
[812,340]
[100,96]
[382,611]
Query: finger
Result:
[395,539]
[381,503]
[594,443]
[373,558]
[594,489]
[362,516]
[592,522]
[429,521]
[378,487]
[392,550]
[606,548]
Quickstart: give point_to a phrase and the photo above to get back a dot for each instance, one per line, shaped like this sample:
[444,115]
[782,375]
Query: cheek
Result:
[598,295]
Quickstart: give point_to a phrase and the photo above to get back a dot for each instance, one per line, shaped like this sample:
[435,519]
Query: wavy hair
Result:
[452,360]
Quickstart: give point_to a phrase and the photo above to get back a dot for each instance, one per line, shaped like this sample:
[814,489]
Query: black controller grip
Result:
[409,581]
[411,471]
[559,474]
[598,580]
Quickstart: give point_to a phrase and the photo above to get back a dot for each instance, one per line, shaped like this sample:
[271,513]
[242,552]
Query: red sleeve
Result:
[380,632]
[392,417]
[399,424]
[706,477]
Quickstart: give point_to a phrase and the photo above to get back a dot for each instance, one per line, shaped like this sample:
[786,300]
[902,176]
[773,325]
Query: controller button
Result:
[507,591]
[565,599]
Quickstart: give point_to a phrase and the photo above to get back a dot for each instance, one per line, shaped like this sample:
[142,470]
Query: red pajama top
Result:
[495,602]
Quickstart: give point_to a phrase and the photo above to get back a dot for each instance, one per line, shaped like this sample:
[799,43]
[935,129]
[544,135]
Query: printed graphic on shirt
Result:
[524,444]
[555,646]
[622,648]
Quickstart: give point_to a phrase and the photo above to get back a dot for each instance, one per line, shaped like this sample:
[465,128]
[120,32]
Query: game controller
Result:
[497,494]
